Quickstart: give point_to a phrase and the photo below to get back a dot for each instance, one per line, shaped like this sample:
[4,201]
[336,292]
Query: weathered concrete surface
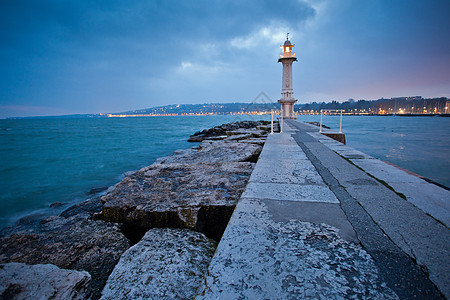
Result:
[165,264]
[410,227]
[290,243]
[76,242]
[430,198]
[260,258]
[21,281]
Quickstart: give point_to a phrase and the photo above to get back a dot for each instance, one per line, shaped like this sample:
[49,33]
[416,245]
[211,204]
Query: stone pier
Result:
[321,220]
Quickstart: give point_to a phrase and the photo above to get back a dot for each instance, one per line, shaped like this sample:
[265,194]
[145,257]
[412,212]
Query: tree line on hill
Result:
[411,105]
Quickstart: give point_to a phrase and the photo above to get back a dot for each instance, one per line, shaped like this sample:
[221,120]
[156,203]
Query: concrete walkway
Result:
[311,224]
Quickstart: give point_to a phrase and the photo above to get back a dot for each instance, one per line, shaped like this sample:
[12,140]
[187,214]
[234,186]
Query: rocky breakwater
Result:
[195,189]
[182,203]
[73,241]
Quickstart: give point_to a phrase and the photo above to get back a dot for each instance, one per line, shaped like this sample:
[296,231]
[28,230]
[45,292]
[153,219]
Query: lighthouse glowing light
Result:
[287,92]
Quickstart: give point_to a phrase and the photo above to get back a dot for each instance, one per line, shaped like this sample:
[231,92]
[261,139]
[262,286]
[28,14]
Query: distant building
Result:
[407,98]
[287,93]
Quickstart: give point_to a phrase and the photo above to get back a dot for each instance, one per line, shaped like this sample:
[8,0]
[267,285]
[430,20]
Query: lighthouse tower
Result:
[287,93]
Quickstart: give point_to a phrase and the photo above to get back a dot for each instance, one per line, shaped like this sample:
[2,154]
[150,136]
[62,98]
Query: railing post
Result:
[321,115]
[340,124]
[271,122]
[281,120]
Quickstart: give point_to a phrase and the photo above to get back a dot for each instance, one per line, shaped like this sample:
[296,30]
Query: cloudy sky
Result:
[67,57]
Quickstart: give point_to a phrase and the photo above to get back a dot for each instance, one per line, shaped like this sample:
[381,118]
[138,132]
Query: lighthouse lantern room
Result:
[287,93]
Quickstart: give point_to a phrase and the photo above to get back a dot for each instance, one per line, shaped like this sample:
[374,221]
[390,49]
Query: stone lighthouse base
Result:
[287,106]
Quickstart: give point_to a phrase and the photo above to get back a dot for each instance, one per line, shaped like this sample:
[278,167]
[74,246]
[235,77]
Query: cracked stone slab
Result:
[384,171]
[351,153]
[291,192]
[409,227]
[312,212]
[420,236]
[281,139]
[430,198]
[341,149]
[272,152]
[285,171]
[263,258]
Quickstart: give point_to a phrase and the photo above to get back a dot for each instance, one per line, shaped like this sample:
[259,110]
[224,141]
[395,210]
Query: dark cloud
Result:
[93,56]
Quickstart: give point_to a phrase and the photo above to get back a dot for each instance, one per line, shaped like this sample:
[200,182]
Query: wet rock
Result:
[165,264]
[196,138]
[177,196]
[30,220]
[96,191]
[215,152]
[56,204]
[216,138]
[21,281]
[86,208]
[75,242]
[127,173]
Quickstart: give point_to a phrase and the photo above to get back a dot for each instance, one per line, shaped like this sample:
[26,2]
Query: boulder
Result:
[165,264]
[224,128]
[84,209]
[238,137]
[253,132]
[215,152]
[256,141]
[21,281]
[196,196]
[75,242]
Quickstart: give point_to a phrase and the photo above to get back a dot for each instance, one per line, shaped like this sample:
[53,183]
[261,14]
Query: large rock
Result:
[84,209]
[76,242]
[195,196]
[21,281]
[253,132]
[165,264]
[216,152]
[221,131]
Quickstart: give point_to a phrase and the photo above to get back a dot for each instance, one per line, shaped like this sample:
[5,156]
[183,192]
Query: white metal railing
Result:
[281,120]
[271,122]
[321,115]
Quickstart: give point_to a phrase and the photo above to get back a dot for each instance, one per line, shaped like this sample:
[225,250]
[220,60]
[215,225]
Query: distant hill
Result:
[400,105]
[207,108]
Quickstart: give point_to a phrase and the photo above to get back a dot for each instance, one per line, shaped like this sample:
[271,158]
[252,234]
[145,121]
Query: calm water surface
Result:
[419,144]
[47,160]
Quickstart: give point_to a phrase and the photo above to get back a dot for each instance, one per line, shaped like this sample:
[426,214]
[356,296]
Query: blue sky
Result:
[67,57]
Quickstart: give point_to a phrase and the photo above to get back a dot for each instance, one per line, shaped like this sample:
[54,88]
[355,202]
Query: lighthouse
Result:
[287,92]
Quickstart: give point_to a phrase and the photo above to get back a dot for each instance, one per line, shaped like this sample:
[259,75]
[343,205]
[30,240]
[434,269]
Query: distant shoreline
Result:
[90,116]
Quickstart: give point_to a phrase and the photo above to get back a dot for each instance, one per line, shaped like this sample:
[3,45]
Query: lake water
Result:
[419,144]
[43,161]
